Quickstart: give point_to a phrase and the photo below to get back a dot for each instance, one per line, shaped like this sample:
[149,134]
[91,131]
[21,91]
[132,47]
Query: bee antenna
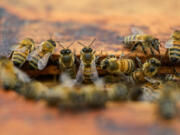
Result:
[81,44]
[60,44]
[92,42]
[51,35]
[70,45]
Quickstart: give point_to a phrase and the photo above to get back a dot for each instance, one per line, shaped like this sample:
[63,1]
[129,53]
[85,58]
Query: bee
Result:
[21,51]
[146,71]
[138,38]
[118,92]
[87,72]
[95,94]
[10,76]
[173,48]
[34,90]
[38,59]
[114,65]
[167,103]
[67,61]
[117,67]
[65,95]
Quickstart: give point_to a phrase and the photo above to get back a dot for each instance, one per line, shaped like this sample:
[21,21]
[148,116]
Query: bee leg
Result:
[152,52]
[135,46]
[143,48]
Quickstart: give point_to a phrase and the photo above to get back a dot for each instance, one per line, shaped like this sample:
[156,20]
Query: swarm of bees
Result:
[81,86]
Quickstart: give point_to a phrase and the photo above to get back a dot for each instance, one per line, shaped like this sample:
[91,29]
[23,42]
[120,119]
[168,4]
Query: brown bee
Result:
[140,39]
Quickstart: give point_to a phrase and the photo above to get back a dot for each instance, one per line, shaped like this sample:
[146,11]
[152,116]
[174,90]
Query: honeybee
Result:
[173,47]
[138,38]
[21,51]
[66,95]
[10,76]
[34,90]
[116,66]
[118,92]
[67,61]
[145,73]
[38,59]
[95,95]
[167,103]
[87,70]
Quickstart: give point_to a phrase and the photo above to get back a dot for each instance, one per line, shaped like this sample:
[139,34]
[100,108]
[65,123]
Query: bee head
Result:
[176,34]
[105,64]
[155,62]
[87,54]
[65,51]
[52,42]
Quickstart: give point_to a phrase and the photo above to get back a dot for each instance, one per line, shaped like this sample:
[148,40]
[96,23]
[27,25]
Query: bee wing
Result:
[34,53]
[135,30]
[169,44]
[79,76]
[43,61]
[21,75]
[94,75]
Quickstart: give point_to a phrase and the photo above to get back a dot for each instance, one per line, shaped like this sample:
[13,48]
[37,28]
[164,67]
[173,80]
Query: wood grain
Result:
[83,20]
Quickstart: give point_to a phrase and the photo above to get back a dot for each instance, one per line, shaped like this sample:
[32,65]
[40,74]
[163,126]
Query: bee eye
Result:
[68,51]
[62,51]
[90,49]
[84,50]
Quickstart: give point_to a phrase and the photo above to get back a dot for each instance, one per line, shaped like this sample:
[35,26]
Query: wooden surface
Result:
[83,20]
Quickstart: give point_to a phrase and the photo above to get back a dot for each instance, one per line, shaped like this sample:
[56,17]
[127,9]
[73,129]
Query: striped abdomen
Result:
[71,71]
[19,58]
[126,66]
[34,61]
[174,53]
[87,74]
[132,39]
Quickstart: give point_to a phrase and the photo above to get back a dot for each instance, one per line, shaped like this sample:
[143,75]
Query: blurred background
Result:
[107,20]
[68,20]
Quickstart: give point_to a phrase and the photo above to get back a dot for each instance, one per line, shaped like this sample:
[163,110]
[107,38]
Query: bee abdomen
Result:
[127,66]
[128,40]
[19,59]
[174,53]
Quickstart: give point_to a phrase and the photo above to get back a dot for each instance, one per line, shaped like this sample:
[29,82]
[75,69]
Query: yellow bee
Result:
[138,38]
[21,51]
[34,90]
[114,65]
[10,76]
[167,103]
[148,70]
[87,70]
[173,48]
[38,59]
[67,61]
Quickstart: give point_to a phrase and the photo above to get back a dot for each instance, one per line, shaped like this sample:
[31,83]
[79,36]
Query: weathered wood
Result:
[71,20]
